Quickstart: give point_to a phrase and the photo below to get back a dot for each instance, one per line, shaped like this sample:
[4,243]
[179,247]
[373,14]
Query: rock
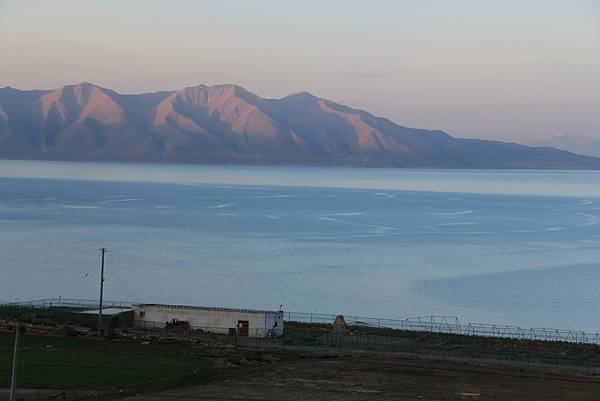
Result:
[339,325]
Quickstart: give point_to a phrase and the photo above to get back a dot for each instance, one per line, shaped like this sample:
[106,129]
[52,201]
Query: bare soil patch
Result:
[386,377]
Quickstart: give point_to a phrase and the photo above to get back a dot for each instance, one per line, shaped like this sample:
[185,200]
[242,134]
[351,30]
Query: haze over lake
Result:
[506,247]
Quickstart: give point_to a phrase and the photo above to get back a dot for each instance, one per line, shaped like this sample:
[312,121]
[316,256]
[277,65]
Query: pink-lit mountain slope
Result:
[228,124]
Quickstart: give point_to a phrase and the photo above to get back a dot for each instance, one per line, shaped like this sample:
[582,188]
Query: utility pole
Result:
[103,251]
[13,380]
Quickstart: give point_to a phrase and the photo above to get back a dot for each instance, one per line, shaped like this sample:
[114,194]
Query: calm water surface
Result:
[508,247]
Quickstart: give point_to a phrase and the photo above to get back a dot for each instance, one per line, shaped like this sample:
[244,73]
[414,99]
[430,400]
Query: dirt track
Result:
[386,377]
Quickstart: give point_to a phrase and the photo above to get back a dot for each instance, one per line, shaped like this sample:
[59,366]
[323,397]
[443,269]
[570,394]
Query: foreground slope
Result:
[228,124]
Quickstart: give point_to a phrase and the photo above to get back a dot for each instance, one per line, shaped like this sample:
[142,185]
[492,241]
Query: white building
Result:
[243,322]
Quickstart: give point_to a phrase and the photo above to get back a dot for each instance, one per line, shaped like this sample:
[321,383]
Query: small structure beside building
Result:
[111,317]
[241,322]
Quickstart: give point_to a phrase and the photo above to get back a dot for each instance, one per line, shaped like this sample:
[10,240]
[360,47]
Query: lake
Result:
[488,246]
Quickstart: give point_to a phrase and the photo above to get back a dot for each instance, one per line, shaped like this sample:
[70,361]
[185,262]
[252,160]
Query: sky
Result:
[509,70]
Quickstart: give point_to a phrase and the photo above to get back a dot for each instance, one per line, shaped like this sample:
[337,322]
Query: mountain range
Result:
[228,124]
[576,143]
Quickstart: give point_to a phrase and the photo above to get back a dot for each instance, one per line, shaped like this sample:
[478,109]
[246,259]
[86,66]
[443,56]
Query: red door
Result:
[243,327]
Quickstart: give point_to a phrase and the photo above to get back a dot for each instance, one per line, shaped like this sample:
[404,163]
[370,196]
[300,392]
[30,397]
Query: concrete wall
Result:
[215,321]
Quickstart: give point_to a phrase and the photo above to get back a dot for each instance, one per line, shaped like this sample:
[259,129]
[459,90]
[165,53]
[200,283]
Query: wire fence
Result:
[74,303]
[428,324]
[452,325]
[323,333]
[321,337]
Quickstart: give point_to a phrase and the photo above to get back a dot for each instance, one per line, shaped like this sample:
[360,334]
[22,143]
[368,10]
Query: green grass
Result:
[447,345]
[84,362]
[52,362]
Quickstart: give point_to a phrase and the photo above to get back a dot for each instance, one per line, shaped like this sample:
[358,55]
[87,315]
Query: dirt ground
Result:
[386,377]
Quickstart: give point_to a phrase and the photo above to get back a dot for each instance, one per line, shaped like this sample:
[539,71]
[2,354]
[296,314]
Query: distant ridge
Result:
[227,124]
[576,143]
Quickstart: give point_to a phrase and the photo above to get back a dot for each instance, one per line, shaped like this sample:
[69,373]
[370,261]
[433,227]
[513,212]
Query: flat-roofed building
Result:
[243,322]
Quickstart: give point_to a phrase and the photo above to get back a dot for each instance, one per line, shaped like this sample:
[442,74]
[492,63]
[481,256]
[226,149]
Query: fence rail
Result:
[325,337]
[428,324]
[70,303]
[452,325]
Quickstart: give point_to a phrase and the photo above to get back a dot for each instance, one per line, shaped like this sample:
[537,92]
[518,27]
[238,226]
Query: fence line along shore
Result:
[426,324]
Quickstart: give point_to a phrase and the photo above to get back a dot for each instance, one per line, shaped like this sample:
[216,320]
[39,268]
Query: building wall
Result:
[216,321]
[274,321]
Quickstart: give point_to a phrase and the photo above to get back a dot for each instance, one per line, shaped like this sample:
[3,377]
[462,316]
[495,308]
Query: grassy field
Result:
[53,362]
[75,359]
[560,354]
[63,356]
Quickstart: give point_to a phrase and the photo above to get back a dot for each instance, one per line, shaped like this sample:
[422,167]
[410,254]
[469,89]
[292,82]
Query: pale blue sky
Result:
[490,69]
